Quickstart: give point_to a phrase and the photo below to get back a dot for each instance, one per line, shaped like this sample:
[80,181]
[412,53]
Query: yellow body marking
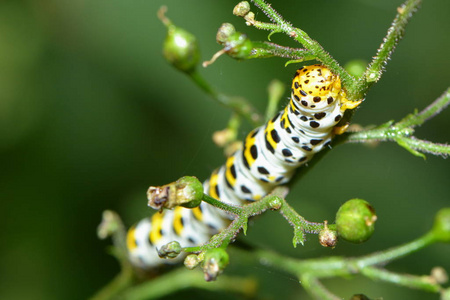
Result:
[155,233]
[131,240]
[212,185]
[177,223]
[228,175]
[270,126]
[249,142]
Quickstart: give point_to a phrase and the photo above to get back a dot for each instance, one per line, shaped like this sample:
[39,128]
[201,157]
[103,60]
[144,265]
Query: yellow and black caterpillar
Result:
[269,157]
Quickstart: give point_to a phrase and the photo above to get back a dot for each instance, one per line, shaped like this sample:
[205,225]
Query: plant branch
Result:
[182,279]
[401,132]
[238,104]
[302,37]
[424,283]
[394,35]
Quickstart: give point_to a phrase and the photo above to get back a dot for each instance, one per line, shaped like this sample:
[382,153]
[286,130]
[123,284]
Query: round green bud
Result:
[441,227]
[356,67]
[170,250]
[328,237]
[189,191]
[215,260]
[191,261]
[224,33]
[355,220]
[181,49]
[239,46]
[275,203]
[242,9]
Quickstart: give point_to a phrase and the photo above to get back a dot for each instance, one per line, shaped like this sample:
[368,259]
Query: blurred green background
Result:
[91,115]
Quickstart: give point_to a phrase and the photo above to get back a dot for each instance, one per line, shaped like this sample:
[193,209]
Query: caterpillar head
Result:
[315,87]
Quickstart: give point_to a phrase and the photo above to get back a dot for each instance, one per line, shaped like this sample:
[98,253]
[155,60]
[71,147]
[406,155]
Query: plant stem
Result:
[222,205]
[266,49]
[394,35]
[388,255]
[238,104]
[122,281]
[303,38]
[316,289]
[429,112]
[401,131]
[418,282]
[182,279]
[276,91]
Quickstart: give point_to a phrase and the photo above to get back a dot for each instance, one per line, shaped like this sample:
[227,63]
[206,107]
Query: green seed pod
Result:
[441,227]
[170,250]
[181,49]
[328,237]
[355,220]
[214,262]
[186,191]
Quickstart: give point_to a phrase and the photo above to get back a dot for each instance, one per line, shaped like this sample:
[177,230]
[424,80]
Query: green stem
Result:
[425,146]
[238,104]
[122,281]
[429,112]
[276,92]
[182,279]
[266,49]
[316,289]
[388,255]
[222,205]
[394,35]
[417,282]
[303,38]
[401,131]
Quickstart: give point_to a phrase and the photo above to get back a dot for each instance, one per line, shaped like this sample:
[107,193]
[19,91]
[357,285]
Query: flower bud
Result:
[441,227]
[186,191]
[180,47]
[169,250]
[355,220]
[214,262]
[110,224]
[224,33]
[241,9]
[275,203]
[328,237]
[238,46]
[191,261]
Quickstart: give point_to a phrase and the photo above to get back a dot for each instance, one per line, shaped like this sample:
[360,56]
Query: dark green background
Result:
[91,115]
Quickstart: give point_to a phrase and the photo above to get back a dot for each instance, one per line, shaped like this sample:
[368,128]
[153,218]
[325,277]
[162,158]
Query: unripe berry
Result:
[355,220]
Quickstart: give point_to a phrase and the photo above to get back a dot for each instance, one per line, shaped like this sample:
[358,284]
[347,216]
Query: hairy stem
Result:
[394,35]
[238,104]
[417,282]
[182,279]
[303,38]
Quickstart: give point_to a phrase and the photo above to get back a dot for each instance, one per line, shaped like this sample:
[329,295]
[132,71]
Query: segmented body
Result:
[269,157]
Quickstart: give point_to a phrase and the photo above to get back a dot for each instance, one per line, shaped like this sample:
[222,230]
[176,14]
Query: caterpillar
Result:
[269,157]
